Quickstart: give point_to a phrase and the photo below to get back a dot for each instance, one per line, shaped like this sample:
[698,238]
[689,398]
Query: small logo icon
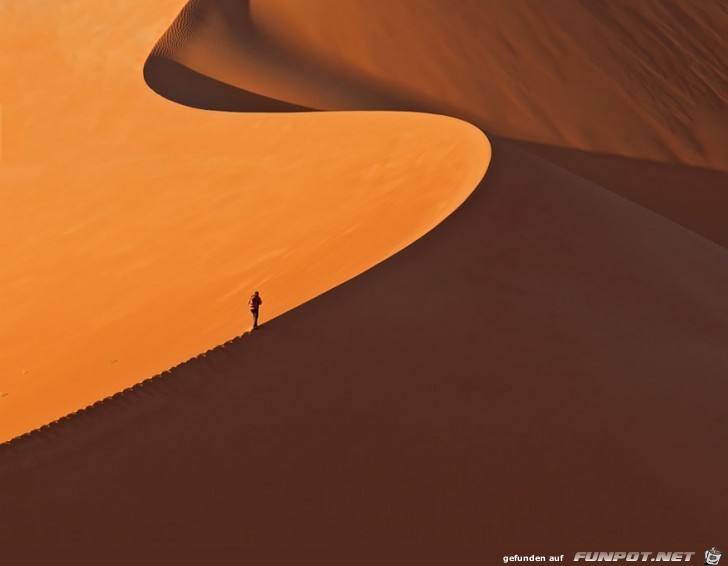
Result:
[712,556]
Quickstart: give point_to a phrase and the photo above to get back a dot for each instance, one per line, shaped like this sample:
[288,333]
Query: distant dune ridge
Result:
[543,73]
[544,367]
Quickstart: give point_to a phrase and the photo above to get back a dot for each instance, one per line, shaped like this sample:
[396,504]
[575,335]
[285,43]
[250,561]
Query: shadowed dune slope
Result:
[542,367]
[542,72]
[591,85]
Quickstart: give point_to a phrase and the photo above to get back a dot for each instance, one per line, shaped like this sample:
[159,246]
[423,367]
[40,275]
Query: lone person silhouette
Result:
[254,304]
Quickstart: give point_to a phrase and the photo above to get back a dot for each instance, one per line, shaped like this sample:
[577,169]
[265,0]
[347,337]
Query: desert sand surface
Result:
[633,97]
[544,367]
[630,97]
[134,229]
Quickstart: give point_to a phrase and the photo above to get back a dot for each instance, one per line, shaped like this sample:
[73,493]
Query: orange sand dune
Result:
[633,98]
[543,369]
[134,229]
[645,82]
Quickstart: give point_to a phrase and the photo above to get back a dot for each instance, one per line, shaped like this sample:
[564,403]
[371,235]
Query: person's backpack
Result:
[253,302]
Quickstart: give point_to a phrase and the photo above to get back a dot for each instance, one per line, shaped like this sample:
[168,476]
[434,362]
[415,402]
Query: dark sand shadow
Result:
[182,85]
[693,197]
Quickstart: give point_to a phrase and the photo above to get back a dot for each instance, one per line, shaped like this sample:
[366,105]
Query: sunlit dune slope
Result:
[134,229]
[545,366]
[631,95]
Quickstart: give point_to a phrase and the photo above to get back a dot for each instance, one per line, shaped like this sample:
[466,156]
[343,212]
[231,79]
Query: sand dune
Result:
[542,368]
[607,89]
[546,73]
[134,229]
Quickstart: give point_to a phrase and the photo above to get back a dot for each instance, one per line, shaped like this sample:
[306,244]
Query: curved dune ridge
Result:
[134,230]
[632,98]
[539,370]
